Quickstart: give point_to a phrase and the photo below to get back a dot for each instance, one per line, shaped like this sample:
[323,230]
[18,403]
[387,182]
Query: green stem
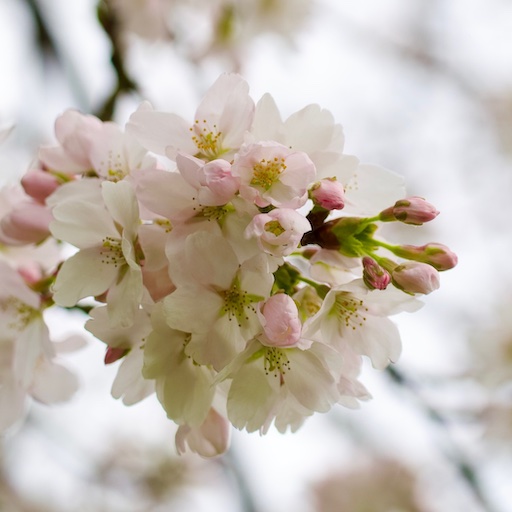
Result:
[321,289]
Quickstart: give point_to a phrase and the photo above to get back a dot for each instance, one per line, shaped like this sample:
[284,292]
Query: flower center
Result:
[22,313]
[276,362]
[237,302]
[206,140]
[266,172]
[349,310]
[112,252]
[115,167]
[274,227]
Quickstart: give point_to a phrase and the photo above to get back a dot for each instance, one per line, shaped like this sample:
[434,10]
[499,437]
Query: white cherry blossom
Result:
[105,231]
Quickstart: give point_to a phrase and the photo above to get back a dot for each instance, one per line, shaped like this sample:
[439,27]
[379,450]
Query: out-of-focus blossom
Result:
[378,485]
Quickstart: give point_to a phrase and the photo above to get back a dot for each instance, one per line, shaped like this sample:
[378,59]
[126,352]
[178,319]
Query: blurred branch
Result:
[453,453]
[416,55]
[231,464]
[110,25]
[45,42]
[48,46]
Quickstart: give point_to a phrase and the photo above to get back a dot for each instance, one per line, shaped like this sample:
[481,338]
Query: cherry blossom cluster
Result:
[233,260]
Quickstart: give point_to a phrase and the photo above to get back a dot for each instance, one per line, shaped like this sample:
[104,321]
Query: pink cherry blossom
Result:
[279,231]
[271,173]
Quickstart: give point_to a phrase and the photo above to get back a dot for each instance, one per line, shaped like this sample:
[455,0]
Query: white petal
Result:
[129,382]
[310,381]
[82,223]
[53,383]
[122,204]
[251,396]
[158,130]
[124,297]
[192,309]
[83,275]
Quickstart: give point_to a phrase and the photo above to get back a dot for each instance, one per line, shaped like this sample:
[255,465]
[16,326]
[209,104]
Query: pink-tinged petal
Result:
[39,184]
[166,194]
[267,124]
[190,168]
[83,275]
[227,103]
[53,383]
[27,223]
[157,131]
[279,317]
[13,285]
[82,224]
[76,133]
[208,440]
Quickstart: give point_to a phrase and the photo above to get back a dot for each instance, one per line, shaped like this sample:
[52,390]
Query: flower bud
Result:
[374,276]
[437,255]
[279,231]
[113,354]
[27,223]
[415,277]
[280,320]
[39,184]
[413,210]
[328,193]
[207,440]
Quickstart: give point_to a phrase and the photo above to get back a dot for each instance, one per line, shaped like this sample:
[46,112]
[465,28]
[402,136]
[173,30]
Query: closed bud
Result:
[416,277]
[113,354]
[374,276]
[27,223]
[39,184]
[437,255]
[328,193]
[413,210]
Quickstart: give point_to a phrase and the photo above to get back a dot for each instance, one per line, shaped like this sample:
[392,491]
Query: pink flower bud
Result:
[280,320]
[374,276]
[415,277]
[413,210]
[328,193]
[27,223]
[39,184]
[207,440]
[31,274]
[113,354]
[222,184]
[437,255]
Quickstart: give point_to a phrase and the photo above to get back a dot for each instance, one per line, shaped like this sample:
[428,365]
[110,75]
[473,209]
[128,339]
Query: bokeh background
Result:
[422,87]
